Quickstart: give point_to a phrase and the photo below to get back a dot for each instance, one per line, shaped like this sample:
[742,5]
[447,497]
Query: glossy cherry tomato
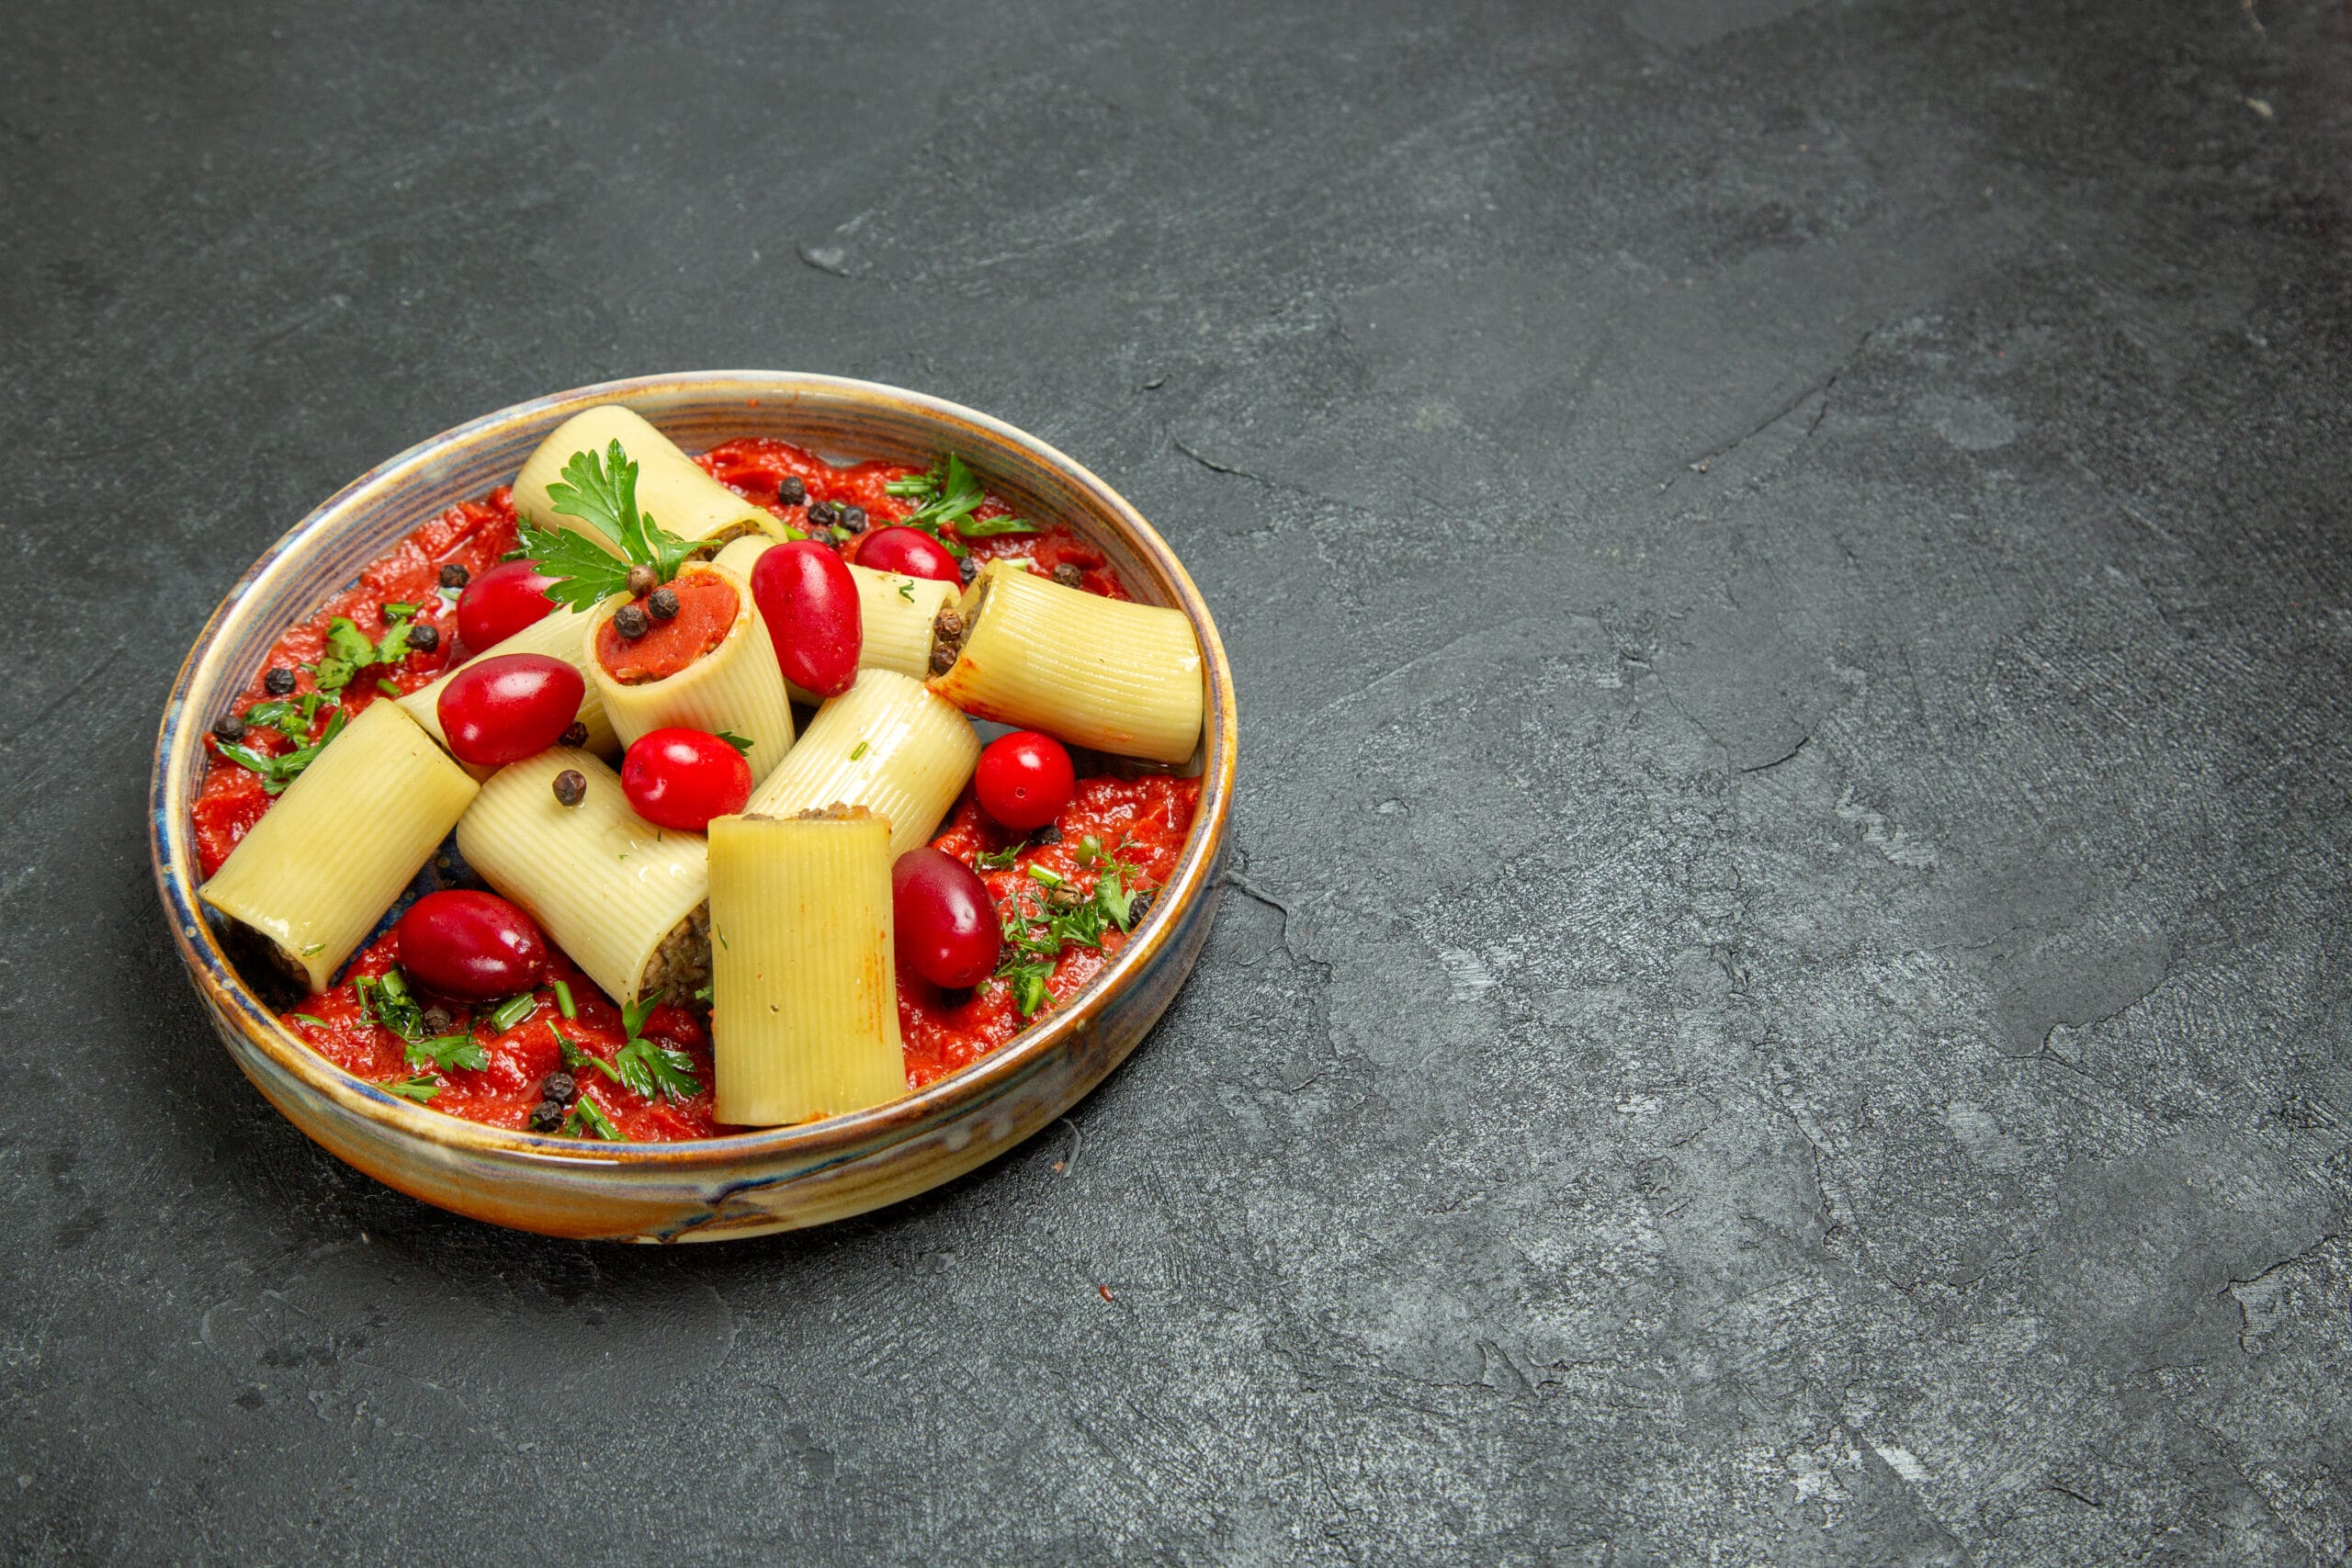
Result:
[1024,779]
[909,551]
[471,945]
[502,602]
[809,602]
[509,707]
[682,778]
[948,930]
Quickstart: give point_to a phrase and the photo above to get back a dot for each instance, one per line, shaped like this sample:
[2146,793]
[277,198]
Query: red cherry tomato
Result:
[471,945]
[502,602]
[682,778]
[948,930]
[809,602]
[509,707]
[910,552]
[1024,779]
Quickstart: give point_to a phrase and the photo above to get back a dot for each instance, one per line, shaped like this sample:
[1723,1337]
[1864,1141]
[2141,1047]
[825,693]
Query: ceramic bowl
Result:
[750,1183]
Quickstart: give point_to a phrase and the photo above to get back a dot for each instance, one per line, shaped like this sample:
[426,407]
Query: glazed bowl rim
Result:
[808,1145]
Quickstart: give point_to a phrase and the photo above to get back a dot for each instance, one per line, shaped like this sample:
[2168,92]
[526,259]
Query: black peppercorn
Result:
[854,519]
[824,515]
[1070,576]
[424,638]
[559,1088]
[438,1020]
[455,575]
[948,626]
[943,659]
[631,622]
[546,1116]
[663,603]
[227,727]
[643,580]
[1139,909]
[576,736]
[280,681]
[968,569]
[1050,834]
[570,786]
[790,492]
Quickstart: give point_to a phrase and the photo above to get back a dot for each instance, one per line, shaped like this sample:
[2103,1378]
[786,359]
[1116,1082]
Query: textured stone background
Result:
[1789,997]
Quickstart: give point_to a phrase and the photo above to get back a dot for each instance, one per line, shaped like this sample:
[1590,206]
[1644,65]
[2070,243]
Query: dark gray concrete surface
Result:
[1788,996]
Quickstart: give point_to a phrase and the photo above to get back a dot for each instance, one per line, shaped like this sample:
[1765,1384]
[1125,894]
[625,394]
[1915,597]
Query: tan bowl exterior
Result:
[751,1183]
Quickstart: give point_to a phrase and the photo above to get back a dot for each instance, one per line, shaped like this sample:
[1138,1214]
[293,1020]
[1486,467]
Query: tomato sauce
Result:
[707,607]
[1140,823]
[473,534]
[755,467]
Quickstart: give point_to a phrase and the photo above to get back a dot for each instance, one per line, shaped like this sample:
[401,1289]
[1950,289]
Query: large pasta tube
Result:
[896,611]
[885,744]
[621,895]
[804,1006]
[321,868]
[736,686]
[1102,672]
[557,635]
[672,489]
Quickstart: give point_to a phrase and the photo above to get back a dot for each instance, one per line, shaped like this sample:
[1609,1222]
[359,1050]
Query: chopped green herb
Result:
[349,651]
[586,1119]
[290,717]
[306,1018]
[601,492]
[312,947]
[394,611]
[421,1089]
[385,1000]
[1115,898]
[907,591]
[563,1000]
[857,751]
[277,772]
[703,993]
[1089,851]
[946,497]
[999,860]
[387,685]
[511,1011]
[1047,875]
[742,747]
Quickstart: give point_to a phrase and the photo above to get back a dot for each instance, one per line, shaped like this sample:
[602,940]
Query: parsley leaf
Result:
[946,498]
[1115,899]
[421,1089]
[446,1051]
[742,747]
[652,1069]
[1028,980]
[601,492]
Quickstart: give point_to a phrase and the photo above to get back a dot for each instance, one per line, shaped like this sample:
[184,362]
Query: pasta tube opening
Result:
[1104,673]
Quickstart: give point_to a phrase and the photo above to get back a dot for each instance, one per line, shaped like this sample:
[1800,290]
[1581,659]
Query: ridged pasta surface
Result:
[672,489]
[735,688]
[886,744]
[609,887]
[1115,676]
[805,1015]
[305,879]
[895,613]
